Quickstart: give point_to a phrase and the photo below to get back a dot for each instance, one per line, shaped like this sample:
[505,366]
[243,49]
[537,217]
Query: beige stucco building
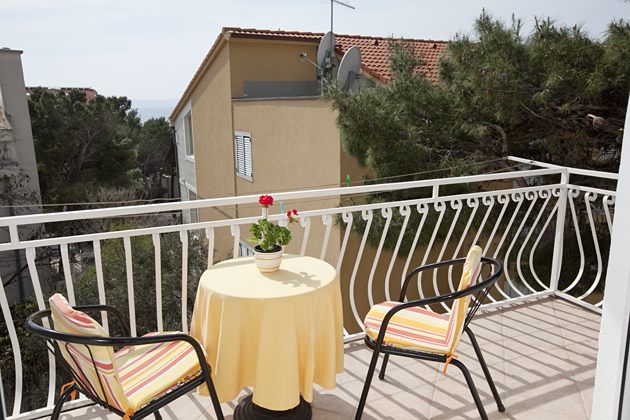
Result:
[252,121]
[19,182]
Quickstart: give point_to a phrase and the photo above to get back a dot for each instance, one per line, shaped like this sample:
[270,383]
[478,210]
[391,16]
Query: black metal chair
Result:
[478,291]
[55,339]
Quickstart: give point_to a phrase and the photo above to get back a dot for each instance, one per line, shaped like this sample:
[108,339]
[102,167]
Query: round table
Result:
[277,332]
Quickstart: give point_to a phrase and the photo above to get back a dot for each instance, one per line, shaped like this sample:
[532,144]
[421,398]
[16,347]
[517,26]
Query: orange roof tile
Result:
[374,52]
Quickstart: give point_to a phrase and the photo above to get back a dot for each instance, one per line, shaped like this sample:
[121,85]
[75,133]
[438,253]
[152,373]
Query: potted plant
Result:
[270,238]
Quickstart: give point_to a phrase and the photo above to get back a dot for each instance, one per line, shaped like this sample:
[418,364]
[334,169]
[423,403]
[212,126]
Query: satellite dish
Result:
[325,49]
[349,68]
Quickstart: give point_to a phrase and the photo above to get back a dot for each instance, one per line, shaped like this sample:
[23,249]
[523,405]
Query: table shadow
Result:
[289,278]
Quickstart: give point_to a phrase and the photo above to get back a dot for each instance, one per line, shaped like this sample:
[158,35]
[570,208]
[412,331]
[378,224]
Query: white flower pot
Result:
[268,262]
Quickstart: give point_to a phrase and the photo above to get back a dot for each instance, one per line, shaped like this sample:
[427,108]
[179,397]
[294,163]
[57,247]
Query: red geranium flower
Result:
[265,200]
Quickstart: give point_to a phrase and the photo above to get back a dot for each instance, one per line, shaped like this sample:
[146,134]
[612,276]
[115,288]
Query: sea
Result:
[153,108]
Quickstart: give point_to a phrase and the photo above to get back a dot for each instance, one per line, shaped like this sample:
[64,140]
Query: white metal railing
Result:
[511,224]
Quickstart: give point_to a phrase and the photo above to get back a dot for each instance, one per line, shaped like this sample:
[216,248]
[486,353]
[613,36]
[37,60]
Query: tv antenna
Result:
[325,60]
[332,13]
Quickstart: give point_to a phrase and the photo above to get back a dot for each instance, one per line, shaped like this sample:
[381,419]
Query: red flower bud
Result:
[295,212]
[289,214]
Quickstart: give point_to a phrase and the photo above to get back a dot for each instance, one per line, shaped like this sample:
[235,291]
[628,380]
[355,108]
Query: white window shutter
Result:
[240,158]
[247,153]
[243,154]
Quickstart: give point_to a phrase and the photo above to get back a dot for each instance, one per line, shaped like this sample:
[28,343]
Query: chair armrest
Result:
[427,267]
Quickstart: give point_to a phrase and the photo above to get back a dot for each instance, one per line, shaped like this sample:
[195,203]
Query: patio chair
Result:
[407,329]
[131,376]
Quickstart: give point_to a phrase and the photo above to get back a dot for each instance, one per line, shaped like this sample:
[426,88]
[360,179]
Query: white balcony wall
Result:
[611,399]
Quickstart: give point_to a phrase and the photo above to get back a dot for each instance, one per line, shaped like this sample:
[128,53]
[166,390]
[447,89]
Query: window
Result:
[245,249]
[243,154]
[188,134]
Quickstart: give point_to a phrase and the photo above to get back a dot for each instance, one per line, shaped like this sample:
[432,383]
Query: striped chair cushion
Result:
[423,330]
[472,268]
[411,328]
[93,364]
[147,371]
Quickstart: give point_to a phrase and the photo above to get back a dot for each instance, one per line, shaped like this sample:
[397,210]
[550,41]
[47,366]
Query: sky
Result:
[149,49]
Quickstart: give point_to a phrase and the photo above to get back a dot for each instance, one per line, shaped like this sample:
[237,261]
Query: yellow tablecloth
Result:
[279,332]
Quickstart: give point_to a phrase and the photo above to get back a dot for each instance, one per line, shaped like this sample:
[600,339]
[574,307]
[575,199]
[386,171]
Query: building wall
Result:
[214,151]
[260,60]
[14,94]
[295,145]
[17,145]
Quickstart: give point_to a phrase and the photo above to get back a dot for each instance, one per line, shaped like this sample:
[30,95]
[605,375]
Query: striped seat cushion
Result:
[411,328]
[419,329]
[147,371]
[94,365]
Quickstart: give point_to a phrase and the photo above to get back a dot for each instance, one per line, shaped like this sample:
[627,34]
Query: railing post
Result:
[3,407]
[558,244]
[436,191]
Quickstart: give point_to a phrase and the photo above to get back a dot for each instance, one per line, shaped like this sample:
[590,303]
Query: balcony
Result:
[538,327]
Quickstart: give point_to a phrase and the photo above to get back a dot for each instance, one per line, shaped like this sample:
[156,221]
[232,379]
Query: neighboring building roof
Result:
[90,94]
[374,52]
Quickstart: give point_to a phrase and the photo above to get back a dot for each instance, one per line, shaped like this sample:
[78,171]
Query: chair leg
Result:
[366,386]
[486,371]
[471,386]
[62,399]
[213,395]
[381,375]
[157,415]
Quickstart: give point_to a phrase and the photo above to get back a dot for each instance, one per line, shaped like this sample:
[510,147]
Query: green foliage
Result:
[115,278]
[556,95]
[269,235]
[87,145]
[82,144]
[156,154]
[34,360]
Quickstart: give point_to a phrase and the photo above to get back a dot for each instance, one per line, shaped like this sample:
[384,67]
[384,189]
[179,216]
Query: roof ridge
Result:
[374,63]
[282,31]
[271,31]
[388,37]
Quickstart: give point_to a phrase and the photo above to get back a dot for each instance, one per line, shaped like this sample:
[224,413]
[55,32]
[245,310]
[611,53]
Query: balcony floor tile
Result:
[542,356]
